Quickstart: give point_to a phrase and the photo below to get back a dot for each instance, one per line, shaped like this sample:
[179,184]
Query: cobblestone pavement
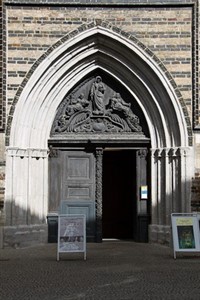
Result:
[113,270]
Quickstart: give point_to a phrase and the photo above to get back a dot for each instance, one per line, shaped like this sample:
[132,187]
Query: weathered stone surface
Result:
[24,236]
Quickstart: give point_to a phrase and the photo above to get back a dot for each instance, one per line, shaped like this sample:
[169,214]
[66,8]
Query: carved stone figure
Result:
[61,123]
[117,103]
[79,114]
[97,96]
[76,104]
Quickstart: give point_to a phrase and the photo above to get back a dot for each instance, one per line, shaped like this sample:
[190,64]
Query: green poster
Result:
[186,237]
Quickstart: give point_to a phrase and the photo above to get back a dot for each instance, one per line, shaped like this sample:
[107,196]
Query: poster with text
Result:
[71,233]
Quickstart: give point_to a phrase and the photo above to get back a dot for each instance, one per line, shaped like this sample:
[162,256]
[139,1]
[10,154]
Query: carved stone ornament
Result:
[53,152]
[93,109]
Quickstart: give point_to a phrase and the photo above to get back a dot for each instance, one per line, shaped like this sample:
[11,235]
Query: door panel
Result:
[82,207]
[78,187]
[78,176]
[77,191]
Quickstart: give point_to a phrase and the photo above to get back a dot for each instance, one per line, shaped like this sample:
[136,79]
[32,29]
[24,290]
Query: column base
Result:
[24,235]
[160,234]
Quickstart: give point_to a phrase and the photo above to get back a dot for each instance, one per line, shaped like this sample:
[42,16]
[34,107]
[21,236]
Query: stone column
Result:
[26,186]
[186,172]
[99,173]
[167,187]
[2,221]
[154,180]
[171,170]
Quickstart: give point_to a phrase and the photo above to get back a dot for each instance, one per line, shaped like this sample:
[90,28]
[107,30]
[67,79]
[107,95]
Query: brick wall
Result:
[166,31]
[195,201]
[2,66]
[2,100]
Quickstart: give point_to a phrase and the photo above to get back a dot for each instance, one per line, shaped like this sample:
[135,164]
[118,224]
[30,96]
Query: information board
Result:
[185,232]
[144,192]
[71,234]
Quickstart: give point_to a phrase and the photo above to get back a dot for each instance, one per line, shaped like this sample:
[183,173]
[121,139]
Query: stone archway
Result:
[97,46]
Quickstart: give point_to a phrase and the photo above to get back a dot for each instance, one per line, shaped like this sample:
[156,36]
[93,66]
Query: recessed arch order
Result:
[123,58]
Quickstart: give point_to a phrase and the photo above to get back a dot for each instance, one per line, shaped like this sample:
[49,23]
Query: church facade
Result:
[99,116]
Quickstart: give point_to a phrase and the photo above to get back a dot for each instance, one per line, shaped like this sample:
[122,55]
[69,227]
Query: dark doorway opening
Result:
[119,194]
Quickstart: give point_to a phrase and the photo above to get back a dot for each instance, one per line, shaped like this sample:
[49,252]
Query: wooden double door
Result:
[105,186]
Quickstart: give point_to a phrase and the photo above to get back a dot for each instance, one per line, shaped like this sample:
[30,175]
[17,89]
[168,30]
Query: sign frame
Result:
[144,192]
[71,234]
[185,232]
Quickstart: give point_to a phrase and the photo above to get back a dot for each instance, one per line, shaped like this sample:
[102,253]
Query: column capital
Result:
[29,152]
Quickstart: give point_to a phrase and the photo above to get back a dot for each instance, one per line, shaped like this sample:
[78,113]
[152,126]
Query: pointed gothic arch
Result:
[119,54]
[94,46]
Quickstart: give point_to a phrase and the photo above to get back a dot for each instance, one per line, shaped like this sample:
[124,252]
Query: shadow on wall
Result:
[23,229]
[178,201]
[195,193]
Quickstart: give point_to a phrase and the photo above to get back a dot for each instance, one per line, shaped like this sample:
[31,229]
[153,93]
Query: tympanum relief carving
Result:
[91,108]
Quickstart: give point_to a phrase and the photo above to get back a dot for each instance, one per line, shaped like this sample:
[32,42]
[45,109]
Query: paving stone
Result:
[113,270]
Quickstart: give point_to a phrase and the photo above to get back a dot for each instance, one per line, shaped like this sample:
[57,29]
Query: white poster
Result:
[71,234]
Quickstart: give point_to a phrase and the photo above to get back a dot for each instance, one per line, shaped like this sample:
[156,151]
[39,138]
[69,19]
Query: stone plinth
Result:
[2,221]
